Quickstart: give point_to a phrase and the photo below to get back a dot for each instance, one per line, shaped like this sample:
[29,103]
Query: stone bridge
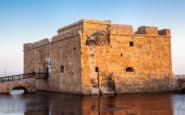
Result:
[23,81]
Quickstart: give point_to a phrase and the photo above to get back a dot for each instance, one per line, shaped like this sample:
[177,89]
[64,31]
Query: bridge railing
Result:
[24,76]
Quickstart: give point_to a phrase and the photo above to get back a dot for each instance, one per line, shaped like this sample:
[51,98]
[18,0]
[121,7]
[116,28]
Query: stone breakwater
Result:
[31,84]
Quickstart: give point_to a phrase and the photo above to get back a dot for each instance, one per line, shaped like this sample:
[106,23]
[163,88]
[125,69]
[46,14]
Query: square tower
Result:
[97,57]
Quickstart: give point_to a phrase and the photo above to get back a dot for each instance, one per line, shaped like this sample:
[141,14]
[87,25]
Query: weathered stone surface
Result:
[152,31]
[120,29]
[98,38]
[93,57]
[164,32]
[181,83]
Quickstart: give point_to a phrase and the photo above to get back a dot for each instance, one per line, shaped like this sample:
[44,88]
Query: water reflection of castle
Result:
[105,105]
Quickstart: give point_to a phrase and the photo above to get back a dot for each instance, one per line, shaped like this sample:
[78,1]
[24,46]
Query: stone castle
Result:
[98,57]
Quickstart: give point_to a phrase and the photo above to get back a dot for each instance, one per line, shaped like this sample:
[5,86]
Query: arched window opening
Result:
[129,69]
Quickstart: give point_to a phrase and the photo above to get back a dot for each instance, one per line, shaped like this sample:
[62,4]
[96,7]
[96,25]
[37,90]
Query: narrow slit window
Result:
[96,69]
[62,69]
[129,69]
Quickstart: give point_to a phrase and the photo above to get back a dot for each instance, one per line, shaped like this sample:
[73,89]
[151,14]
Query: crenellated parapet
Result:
[164,32]
[147,30]
[90,27]
[152,31]
[28,46]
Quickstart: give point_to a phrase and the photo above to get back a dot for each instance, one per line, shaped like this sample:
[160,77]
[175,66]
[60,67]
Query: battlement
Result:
[28,46]
[164,32]
[143,30]
[81,22]
[91,26]
[152,31]
[147,30]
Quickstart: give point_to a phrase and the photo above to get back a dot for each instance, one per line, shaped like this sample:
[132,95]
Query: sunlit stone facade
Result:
[98,57]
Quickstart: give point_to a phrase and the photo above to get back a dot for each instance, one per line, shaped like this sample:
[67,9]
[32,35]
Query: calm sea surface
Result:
[60,104]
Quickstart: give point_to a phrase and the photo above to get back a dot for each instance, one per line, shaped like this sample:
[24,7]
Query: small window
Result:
[129,69]
[62,69]
[92,55]
[131,43]
[121,55]
[96,69]
[74,48]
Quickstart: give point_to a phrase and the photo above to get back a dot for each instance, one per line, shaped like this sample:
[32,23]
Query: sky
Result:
[23,21]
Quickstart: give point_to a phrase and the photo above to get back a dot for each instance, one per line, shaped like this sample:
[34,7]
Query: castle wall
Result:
[65,57]
[93,57]
[150,58]
[64,53]
[104,65]
[35,55]
[88,62]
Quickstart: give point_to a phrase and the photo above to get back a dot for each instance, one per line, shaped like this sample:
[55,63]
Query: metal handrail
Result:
[24,76]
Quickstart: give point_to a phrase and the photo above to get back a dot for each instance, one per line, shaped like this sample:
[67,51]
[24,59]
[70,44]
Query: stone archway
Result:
[20,88]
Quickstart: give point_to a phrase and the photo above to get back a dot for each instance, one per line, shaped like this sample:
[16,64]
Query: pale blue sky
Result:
[24,21]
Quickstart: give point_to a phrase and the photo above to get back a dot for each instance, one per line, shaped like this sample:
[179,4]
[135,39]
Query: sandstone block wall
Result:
[147,52]
[64,54]
[93,57]
[181,83]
